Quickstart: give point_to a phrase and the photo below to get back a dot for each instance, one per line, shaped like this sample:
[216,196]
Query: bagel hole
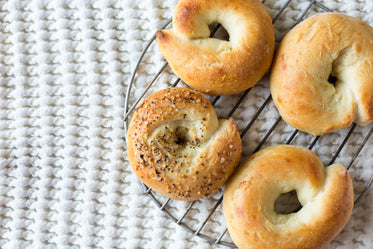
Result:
[332,79]
[181,137]
[287,203]
[218,31]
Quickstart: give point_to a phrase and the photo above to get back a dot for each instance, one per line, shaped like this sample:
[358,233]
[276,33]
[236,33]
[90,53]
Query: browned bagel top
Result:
[216,66]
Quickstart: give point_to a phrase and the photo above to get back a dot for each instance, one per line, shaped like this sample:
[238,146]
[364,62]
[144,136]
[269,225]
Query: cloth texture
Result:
[65,181]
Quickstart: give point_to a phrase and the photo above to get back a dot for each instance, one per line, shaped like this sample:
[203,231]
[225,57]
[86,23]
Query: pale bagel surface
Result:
[326,195]
[323,45]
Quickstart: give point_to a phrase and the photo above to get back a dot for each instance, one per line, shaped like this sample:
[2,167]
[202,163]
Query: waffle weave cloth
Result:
[65,181]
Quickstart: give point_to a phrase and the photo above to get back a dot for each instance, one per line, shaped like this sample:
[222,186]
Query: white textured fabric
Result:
[65,181]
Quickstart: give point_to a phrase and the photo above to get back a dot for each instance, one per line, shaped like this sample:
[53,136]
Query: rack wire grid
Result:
[185,216]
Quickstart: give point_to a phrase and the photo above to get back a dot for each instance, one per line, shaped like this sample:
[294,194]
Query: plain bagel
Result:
[177,146]
[326,195]
[322,47]
[214,66]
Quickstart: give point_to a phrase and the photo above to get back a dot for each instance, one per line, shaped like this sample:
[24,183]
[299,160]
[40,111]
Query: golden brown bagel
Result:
[178,147]
[214,66]
[248,204]
[322,45]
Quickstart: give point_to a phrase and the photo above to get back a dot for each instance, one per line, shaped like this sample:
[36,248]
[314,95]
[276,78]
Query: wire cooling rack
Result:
[349,139]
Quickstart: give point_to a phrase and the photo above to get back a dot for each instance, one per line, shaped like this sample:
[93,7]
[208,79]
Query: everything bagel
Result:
[177,146]
[214,66]
[326,195]
[323,47]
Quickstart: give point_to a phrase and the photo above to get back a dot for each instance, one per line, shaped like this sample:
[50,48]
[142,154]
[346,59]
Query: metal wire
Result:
[180,220]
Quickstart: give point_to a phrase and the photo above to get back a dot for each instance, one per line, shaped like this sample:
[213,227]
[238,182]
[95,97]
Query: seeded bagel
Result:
[177,146]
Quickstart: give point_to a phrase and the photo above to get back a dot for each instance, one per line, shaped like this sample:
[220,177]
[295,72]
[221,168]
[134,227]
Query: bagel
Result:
[326,195]
[177,146]
[213,66]
[322,46]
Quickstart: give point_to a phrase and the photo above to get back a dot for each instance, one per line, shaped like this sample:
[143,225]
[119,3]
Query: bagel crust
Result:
[323,45]
[213,66]
[177,146]
[326,195]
